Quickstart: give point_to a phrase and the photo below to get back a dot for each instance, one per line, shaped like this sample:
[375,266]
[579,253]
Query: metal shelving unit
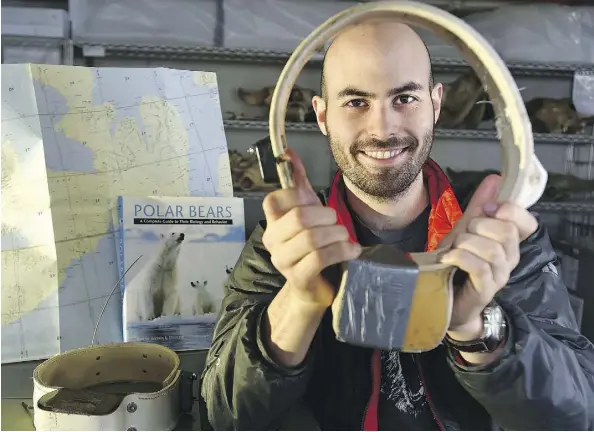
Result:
[66,45]
[564,206]
[439,133]
[220,54]
[32,41]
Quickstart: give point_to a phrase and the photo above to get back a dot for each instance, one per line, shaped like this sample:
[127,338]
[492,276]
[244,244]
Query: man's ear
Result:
[436,97]
[319,106]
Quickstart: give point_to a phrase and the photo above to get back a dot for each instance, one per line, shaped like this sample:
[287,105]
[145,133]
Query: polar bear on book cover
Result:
[204,302]
[152,292]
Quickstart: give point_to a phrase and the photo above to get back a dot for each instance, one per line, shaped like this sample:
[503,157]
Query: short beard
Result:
[389,183]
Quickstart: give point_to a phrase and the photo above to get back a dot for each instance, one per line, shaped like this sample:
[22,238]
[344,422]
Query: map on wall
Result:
[73,140]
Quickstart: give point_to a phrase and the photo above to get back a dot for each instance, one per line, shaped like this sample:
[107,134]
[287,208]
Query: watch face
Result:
[493,333]
[494,323]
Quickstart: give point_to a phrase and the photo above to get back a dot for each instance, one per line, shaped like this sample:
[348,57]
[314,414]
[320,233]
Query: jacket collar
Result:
[445,210]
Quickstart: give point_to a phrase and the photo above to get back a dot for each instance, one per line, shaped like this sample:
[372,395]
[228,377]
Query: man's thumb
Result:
[484,199]
[300,176]
[484,196]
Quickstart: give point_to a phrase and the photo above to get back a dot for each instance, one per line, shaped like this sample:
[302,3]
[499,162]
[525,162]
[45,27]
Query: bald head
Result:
[373,41]
[378,96]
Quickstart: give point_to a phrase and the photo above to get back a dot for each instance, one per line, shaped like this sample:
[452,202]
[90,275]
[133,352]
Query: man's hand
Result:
[485,244]
[303,238]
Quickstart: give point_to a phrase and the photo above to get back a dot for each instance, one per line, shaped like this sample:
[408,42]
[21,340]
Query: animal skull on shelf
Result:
[464,102]
[245,173]
[299,107]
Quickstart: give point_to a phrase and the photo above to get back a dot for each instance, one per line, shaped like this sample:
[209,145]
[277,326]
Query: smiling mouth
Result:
[384,154]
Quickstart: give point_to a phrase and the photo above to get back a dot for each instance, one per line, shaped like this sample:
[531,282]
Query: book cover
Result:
[184,248]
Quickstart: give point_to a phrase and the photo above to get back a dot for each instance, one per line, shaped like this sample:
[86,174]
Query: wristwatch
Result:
[494,332]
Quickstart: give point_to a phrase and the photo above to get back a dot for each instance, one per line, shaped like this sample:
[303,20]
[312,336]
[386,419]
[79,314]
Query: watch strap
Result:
[486,345]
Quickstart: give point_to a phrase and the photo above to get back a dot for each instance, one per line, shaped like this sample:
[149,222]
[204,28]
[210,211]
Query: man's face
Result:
[379,116]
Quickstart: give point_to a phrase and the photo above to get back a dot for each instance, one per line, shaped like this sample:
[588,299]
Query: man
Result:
[274,348]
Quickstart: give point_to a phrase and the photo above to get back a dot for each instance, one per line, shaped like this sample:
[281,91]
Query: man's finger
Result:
[277,203]
[332,254]
[294,250]
[480,273]
[524,221]
[483,247]
[502,231]
[294,221]
[485,193]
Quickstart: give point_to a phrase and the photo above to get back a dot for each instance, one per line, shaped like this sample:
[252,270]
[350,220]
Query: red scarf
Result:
[445,211]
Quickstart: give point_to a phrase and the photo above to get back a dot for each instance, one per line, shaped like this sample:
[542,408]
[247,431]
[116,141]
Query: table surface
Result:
[17,415]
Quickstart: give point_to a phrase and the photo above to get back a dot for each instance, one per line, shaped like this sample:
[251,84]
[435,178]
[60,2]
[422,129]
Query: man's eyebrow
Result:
[352,91]
[410,86]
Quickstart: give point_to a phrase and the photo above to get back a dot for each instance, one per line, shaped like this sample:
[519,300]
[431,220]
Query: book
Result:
[186,247]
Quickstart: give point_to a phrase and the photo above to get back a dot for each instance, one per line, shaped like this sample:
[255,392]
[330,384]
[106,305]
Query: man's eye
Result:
[356,103]
[404,99]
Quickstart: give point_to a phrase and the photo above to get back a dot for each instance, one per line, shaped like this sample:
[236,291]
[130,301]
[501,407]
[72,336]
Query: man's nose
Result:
[382,122]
